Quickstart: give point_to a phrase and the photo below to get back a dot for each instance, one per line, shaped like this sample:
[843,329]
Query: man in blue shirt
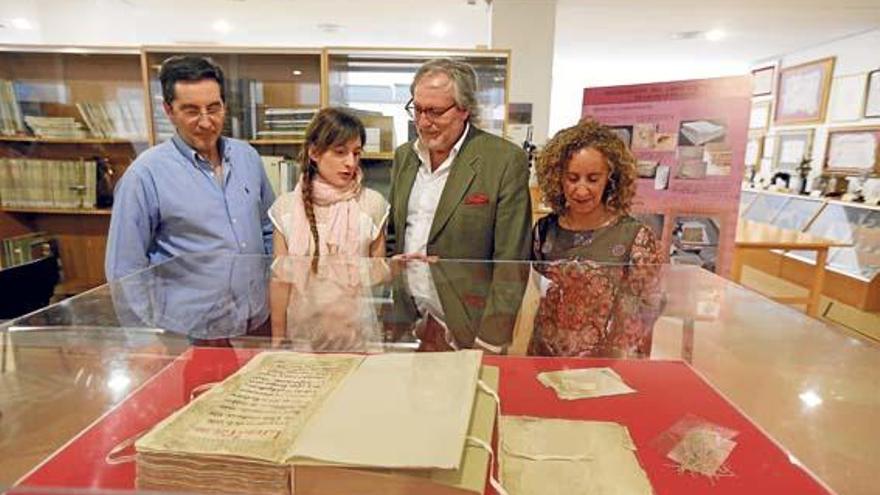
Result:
[197,192]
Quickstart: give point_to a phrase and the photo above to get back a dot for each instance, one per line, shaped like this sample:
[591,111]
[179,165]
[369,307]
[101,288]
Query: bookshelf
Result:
[375,83]
[65,114]
[105,106]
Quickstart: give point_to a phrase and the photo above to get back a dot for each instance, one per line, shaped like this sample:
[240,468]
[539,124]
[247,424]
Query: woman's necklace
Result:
[584,236]
[569,225]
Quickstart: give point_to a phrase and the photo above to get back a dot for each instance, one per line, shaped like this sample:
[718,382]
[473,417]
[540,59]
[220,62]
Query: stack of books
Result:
[22,249]
[163,127]
[11,122]
[113,119]
[283,173]
[37,183]
[290,423]
[285,123]
[56,127]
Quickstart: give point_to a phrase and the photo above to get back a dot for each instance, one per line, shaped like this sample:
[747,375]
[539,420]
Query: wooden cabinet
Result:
[94,110]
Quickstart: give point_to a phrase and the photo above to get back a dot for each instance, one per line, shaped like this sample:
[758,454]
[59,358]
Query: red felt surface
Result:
[667,391]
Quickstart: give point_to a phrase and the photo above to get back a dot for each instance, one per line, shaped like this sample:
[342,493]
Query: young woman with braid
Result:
[329,211]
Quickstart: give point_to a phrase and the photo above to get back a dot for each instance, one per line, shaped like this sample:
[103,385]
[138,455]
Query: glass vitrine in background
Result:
[376,83]
[271,96]
[859,225]
[765,207]
[71,122]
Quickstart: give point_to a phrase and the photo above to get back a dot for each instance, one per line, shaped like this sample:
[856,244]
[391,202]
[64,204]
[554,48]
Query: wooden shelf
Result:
[377,155]
[34,139]
[275,142]
[57,211]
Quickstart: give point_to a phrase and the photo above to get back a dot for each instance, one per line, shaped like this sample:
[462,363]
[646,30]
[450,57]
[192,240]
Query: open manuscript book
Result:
[310,423]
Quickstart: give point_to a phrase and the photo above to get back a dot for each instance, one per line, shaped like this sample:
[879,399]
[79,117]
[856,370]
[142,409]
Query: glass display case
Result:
[271,96]
[852,270]
[807,391]
[859,225]
[765,207]
[377,83]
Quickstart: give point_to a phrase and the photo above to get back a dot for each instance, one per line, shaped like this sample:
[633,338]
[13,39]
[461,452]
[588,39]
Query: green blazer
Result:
[484,210]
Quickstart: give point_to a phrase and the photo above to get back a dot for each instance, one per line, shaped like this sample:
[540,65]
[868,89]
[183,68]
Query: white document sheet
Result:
[565,457]
[584,383]
[392,408]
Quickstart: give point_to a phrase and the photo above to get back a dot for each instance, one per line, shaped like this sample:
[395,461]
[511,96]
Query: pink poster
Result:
[689,140]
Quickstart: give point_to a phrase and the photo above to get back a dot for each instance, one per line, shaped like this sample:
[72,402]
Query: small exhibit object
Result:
[558,456]
[584,383]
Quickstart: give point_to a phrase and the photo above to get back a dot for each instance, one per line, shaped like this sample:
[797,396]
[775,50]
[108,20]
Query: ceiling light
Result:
[297,72]
[222,26]
[715,35]
[21,23]
[439,30]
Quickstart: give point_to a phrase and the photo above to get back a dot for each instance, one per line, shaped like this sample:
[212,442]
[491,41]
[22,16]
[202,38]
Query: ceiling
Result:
[623,29]
[755,29]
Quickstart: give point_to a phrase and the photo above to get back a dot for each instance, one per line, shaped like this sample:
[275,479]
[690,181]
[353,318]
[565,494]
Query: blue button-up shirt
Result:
[169,203]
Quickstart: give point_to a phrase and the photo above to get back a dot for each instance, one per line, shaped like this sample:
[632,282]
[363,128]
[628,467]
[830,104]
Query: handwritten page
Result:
[256,413]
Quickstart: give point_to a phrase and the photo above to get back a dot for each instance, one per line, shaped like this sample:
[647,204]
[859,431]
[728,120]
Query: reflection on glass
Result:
[208,298]
[590,310]
[326,304]
[797,213]
[857,225]
[765,208]
[449,305]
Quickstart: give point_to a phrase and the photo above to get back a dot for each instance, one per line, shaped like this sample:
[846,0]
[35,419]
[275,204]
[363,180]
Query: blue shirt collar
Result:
[193,156]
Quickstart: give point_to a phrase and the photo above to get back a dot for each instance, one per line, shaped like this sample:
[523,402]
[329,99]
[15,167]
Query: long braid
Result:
[308,176]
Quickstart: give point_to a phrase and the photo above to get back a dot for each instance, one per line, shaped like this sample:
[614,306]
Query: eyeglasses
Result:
[193,115]
[431,114]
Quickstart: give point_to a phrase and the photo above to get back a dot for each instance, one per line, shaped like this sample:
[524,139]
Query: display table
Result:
[803,394]
[759,466]
[756,235]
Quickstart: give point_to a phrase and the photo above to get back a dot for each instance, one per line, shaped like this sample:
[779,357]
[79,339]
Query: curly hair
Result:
[554,159]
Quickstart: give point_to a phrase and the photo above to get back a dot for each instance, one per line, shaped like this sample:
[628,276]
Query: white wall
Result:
[527,28]
[598,46]
[855,55]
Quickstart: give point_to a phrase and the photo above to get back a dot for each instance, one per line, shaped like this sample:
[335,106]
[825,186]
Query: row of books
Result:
[280,122]
[21,249]
[114,119]
[56,127]
[11,122]
[122,119]
[283,173]
[37,183]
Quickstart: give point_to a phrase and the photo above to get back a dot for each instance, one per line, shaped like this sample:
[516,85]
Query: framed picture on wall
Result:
[791,148]
[759,118]
[754,151]
[762,81]
[802,92]
[872,95]
[846,101]
[854,150]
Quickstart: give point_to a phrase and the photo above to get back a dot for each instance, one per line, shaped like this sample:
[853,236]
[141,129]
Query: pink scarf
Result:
[337,209]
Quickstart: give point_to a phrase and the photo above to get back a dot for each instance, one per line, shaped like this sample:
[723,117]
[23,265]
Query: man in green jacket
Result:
[457,192]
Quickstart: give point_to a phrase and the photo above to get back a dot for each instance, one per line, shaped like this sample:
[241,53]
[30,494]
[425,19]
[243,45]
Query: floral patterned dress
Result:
[606,303]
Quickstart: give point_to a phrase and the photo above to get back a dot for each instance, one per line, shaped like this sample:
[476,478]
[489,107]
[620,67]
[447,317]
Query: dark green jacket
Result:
[484,210]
